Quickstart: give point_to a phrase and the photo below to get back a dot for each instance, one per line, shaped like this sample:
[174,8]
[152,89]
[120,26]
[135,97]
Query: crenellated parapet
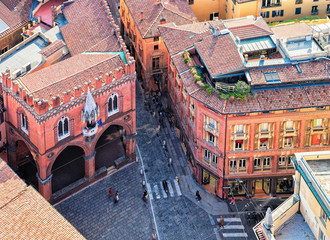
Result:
[43,109]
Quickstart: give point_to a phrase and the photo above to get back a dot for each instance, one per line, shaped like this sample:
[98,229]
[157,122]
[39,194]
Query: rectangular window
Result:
[290,160]
[264,127]
[317,122]
[155,63]
[214,159]
[263,143]
[314,10]
[207,154]
[5,49]
[156,38]
[322,236]
[238,144]
[281,160]
[257,162]
[155,47]
[288,142]
[328,8]
[232,164]
[267,161]
[289,124]
[211,138]
[212,123]
[298,11]
[239,128]
[242,163]
[299,1]
[191,2]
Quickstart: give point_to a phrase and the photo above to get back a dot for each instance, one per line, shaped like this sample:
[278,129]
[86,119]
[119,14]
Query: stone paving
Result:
[173,215]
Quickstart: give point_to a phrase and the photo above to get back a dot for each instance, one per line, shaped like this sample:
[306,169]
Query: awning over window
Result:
[288,137]
[239,141]
[262,140]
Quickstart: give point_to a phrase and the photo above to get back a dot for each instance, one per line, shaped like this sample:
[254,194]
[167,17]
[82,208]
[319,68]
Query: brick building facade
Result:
[138,23]
[75,118]
[244,147]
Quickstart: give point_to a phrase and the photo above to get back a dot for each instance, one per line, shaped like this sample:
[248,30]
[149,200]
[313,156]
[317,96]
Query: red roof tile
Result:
[178,12]
[318,95]
[57,78]
[14,18]
[179,63]
[189,34]
[310,71]
[88,28]
[220,54]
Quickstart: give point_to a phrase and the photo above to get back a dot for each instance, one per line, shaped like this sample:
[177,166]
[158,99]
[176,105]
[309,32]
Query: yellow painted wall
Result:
[203,9]
[311,211]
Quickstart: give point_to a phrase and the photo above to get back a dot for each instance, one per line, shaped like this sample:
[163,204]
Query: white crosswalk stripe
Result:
[177,187]
[157,191]
[170,189]
[163,190]
[233,228]
[149,192]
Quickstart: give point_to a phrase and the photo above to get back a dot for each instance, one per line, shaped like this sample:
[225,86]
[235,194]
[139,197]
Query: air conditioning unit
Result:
[26,67]
[16,74]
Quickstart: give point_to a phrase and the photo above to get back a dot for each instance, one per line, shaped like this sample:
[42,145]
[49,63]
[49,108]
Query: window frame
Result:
[24,123]
[64,134]
[111,104]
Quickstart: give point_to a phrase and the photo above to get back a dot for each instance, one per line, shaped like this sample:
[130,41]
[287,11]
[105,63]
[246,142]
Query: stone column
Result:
[301,133]
[130,147]
[45,186]
[252,135]
[90,165]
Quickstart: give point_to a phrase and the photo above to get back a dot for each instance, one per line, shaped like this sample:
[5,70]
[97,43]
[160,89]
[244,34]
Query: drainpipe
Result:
[224,157]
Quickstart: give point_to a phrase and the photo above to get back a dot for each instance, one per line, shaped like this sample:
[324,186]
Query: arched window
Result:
[63,128]
[113,104]
[24,123]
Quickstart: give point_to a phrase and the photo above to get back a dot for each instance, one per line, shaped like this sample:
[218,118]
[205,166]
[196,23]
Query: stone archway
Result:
[26,166]
[110,146]
[68,167]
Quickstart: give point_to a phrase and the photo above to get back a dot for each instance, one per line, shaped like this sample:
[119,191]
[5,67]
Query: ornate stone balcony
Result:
[209,128]
[89,132]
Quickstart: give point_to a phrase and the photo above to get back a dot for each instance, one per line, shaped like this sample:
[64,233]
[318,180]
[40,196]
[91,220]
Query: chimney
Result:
[15,87]
[77,91]
[56,101]
[22,93]
[6,79]
[162,21]
[108,78]
[86,86]
[141,16]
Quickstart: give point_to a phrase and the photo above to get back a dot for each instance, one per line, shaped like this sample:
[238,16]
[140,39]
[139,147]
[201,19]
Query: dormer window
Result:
[63,128]
[24,123]
[113,104]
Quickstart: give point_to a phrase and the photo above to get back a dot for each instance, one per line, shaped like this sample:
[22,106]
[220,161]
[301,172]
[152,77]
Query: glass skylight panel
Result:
[3,26]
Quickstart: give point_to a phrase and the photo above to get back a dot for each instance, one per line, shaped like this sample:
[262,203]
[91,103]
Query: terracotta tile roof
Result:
[178,12]
[189,85]
[250,28]
[14,18]
[250,105]
[52,48]
[189,34]
[179,63]
[25,214]
[310,71]
[57,78]
[88,28]
[284,98]
[318,95]
[220,54]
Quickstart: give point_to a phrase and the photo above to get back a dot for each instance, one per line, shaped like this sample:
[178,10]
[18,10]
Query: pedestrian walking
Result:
[145,195]
[116,197]
[232,201]
[221,222]
[110,192]
[198,196]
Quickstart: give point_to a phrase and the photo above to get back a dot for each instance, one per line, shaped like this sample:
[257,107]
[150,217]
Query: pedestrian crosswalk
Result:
[233,228]
[163,189]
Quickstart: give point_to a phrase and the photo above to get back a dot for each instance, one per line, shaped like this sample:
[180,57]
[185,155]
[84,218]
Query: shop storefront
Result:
[284,186]
[238,188]
[209,181]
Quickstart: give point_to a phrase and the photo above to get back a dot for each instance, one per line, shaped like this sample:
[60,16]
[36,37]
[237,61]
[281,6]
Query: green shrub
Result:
[185,60]
[209,90]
